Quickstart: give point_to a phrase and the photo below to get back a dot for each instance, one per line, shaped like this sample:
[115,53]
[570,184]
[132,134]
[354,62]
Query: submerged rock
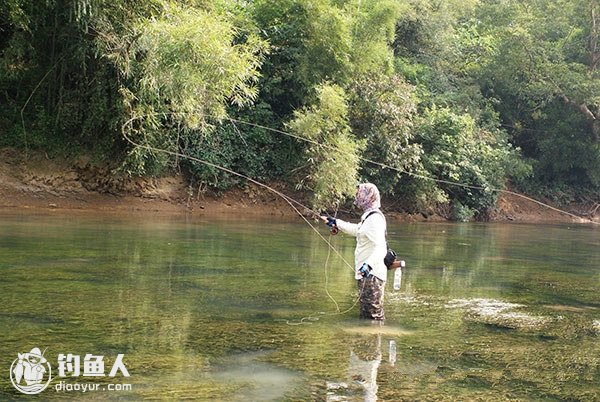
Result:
[596,326]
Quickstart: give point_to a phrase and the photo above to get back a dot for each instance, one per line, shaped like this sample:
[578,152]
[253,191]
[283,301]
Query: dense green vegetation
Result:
[485,93]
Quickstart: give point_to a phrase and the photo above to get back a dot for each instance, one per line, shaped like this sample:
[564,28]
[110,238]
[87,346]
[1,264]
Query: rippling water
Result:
[226,309]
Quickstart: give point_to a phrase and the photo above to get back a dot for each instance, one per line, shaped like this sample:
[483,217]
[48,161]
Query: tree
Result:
[382,112]
[456,150]
[59,95]
[312,41]
[178,71]
[543,71]
[332,157]
[285,25]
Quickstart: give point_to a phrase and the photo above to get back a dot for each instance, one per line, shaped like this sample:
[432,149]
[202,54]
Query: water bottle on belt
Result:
[398,275]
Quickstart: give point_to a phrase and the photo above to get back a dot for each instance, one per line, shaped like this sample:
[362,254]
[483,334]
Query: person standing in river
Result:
[371,249]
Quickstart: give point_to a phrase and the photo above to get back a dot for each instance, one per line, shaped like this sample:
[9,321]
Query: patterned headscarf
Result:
[367,196]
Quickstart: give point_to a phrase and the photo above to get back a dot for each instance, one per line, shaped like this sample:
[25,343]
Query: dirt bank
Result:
[518,209]
[35,181]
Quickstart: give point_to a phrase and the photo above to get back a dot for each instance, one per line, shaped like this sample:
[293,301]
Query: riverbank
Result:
[43,183]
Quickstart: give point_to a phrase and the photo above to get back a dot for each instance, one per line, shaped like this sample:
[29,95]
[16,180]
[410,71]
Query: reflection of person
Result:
[362,369]
[363,366]
[371,248]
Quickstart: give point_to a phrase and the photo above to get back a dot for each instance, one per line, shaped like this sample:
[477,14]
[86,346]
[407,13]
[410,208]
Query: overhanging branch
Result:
[583,108]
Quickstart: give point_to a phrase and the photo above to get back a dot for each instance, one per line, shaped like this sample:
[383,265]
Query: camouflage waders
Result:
[371,298]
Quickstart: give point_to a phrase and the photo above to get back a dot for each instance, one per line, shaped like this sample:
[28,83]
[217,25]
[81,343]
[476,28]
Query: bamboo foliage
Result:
[179,70]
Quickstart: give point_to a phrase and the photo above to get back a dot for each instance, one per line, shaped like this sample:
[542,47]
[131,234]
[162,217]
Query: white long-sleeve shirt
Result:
[371,245]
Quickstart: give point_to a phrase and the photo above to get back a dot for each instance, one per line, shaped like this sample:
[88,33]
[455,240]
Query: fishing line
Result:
[337,307]
[452,183]
[285,197]
[291,201]
[380,164]
[315,317]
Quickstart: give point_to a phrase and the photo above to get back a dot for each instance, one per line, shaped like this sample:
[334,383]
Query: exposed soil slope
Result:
[36,181]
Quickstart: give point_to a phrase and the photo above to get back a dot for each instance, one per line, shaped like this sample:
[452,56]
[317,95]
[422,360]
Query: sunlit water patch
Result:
[256,379]
[499,313]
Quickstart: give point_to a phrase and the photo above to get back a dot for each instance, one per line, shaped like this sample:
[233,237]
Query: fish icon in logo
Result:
[28,370]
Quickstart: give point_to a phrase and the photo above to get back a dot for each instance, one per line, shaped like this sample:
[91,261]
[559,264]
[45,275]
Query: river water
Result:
[247,310]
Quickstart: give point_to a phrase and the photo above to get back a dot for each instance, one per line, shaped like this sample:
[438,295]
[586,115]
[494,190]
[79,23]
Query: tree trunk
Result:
[593,41]
[594,119]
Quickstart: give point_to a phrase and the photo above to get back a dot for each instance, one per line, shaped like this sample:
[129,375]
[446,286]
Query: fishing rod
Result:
[293,203]
[285,197]
[331,147]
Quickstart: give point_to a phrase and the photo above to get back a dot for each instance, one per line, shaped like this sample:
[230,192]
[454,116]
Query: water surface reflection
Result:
[199,308]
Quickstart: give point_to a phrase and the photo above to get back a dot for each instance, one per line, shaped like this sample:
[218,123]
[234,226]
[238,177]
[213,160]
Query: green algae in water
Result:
[198,307]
